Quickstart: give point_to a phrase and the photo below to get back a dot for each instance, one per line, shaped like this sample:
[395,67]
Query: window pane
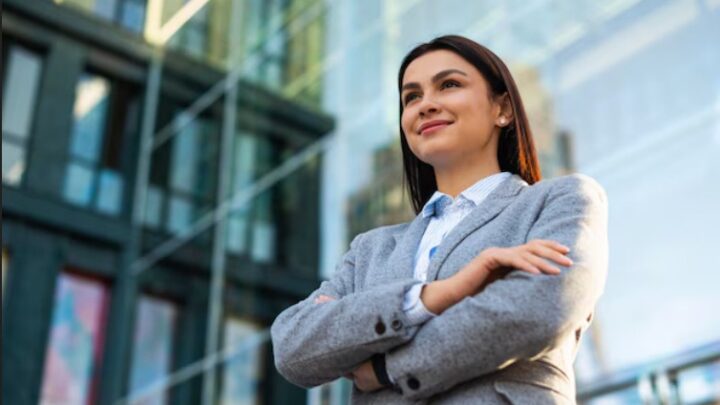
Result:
[78,184]
[90,114]
[237,233]
[186,148]
[180,214]
[105,8]
[76,338]
[20,89]
[133,15]
[700,384]
[152,346]
[110,192]
[263,245]
[153,207]
[13,163]
[243,372]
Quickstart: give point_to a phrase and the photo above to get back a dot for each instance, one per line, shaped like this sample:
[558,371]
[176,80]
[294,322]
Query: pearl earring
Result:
[502,121]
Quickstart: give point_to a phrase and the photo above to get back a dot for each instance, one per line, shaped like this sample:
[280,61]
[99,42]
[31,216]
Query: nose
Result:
[428,107]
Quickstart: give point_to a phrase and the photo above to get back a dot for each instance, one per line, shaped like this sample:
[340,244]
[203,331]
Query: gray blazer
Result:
[515,342]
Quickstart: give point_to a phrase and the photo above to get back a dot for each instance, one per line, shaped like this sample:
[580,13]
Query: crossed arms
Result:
[517,317]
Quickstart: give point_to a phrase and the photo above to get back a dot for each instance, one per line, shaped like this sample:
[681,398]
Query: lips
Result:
[431,125]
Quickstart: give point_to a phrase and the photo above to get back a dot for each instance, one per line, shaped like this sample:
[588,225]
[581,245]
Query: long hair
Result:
[516,149]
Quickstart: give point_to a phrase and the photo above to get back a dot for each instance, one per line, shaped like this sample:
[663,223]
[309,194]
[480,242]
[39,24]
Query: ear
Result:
[504,111]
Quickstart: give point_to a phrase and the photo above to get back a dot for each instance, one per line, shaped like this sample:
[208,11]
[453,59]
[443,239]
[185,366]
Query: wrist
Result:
[439,295]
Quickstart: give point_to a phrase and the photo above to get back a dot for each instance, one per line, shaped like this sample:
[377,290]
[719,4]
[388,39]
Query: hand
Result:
[365,378]
[322,298]
[490,265]
[528,257]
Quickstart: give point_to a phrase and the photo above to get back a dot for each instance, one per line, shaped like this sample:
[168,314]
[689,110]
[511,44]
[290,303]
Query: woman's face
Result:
[444,88]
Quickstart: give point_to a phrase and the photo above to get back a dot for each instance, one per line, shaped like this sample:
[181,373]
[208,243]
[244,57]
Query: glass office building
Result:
[177,172]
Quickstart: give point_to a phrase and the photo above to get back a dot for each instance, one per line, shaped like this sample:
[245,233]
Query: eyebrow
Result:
[438,76]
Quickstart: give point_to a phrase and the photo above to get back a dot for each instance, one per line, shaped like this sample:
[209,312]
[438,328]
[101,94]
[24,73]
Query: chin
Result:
[437,158]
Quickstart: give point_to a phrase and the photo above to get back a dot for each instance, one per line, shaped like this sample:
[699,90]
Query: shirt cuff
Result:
[413,307]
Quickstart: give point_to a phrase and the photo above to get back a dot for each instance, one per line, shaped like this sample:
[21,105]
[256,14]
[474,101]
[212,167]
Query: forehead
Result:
[425,66]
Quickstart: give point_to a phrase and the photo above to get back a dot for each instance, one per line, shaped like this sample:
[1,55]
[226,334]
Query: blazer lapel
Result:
[403,257]
[479,216]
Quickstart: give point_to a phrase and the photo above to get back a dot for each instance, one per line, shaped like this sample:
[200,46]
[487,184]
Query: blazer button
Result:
[380,328]
[396,324]
[413,383]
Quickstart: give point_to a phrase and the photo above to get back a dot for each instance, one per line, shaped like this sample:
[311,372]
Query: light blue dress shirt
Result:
[446,213]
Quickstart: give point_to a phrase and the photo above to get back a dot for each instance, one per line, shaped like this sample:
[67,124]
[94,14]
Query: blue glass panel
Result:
[13,163]
[110,192]
[243,372]
[133,15]
[180,214]
[90,114]
[79,180]
[22,77]
[152,347]
[76,338]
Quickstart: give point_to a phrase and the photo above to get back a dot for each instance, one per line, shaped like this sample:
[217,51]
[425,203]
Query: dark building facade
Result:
[106,293]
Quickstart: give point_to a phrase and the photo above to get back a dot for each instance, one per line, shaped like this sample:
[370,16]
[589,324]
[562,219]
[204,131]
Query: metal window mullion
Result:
[217,281]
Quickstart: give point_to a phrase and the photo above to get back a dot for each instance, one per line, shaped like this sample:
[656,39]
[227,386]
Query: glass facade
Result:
[241,144]
[128,14]
[102,116]
[242,374]
[22,70]
[76,341]
[624,91]
[152,347]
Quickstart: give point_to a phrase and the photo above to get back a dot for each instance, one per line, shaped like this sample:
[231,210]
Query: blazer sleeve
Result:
[317,343]
[522,315]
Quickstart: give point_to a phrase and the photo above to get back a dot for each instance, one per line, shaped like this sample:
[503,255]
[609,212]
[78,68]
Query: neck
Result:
[452,180]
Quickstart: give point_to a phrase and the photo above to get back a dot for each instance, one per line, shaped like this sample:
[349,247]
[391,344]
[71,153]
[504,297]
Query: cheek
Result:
[405,123]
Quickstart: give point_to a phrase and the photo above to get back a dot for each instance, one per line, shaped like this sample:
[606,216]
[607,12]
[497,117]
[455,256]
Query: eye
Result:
[409,97]
[448,83]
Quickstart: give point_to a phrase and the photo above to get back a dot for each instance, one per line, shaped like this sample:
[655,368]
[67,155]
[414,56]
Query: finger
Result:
[551,254]
[554,245]
[522,264]
[544,266]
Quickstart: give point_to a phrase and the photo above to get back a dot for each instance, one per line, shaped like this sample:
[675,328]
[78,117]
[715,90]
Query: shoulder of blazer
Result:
[381,232]
[576,183]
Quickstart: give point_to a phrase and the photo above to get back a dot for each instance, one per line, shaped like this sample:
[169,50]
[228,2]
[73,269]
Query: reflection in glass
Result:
[180,214]
[13,163]
[152,346]
[90,114]
[110,192]
[241,177]
[94,171]
[153,207]
[128,13]
[76,339]
[243,372]
[185,155]
[20,85]
[132,16]
[78,187]
[700,384]
[20,90]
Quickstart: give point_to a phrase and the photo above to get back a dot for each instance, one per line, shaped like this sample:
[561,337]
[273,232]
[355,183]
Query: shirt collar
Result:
[475,194]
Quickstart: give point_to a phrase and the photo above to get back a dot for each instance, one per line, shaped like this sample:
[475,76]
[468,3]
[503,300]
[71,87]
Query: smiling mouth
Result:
[433,128]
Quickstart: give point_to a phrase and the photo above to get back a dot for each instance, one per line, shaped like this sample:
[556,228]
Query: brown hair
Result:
[516,149]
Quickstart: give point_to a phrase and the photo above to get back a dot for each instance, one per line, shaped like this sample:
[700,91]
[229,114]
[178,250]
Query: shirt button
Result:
[380,328]
[396,324]
[413,383]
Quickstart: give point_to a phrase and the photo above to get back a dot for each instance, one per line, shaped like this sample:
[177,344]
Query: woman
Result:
[484,296]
